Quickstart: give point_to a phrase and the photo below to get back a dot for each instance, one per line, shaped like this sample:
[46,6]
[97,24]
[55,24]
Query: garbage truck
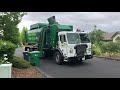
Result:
[56,40]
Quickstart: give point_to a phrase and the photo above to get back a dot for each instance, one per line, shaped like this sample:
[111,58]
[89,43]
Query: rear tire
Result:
[58,58]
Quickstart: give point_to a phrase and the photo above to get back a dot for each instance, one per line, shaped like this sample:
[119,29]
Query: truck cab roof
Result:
[65,32]
[84,32]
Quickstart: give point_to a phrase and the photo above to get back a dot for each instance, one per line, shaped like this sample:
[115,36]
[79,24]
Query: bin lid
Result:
[34,52]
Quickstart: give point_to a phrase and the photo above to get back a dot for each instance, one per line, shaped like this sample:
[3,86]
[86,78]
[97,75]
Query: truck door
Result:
[63,44]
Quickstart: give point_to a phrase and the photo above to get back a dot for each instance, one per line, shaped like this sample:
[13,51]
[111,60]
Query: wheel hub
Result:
[57,58]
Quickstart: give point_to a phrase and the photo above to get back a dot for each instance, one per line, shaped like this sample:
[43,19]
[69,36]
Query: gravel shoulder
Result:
[31,72]
[26,73]
[110,58]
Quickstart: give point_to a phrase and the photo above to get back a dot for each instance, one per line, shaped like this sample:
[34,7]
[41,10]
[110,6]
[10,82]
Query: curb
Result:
[108,58]
[43,73]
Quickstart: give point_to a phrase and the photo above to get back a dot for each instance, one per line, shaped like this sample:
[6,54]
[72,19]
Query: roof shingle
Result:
[109,36]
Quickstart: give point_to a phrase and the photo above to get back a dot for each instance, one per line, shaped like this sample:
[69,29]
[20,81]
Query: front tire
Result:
[79,60]
[58,58]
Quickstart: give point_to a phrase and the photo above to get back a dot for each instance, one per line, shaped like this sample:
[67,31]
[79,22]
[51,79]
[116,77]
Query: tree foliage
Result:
[96,49]
[23,36]
[8,23]
[96,35]
[7,48]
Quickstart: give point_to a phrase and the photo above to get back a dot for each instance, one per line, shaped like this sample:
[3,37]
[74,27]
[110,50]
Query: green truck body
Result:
[45,36]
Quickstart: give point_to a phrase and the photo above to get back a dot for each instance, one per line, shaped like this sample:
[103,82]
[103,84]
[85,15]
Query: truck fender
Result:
[58,49]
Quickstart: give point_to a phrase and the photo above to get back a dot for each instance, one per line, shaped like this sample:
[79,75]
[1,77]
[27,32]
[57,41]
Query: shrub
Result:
[19,62]
[111,48]
[7,48]
[96,50]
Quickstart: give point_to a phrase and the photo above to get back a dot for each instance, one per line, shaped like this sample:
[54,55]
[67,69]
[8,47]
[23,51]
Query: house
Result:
[113,36]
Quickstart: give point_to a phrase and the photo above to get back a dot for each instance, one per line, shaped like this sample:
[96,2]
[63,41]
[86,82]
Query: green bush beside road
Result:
[19,63]
[8,48]
[106,47]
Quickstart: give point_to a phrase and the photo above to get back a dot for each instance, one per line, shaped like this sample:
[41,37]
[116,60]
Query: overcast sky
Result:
[108,21]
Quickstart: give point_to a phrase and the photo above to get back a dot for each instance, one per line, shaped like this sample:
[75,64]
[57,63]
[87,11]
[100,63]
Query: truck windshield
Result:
[84,38]
[73,38]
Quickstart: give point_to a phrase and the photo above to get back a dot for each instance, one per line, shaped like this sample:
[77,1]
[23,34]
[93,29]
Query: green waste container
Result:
[34,58]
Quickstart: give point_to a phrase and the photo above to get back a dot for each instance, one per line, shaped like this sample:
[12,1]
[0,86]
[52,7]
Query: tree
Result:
[96,35]
[8,23]
[23,36]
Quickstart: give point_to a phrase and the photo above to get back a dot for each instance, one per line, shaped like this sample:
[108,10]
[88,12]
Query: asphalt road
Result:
[92,68]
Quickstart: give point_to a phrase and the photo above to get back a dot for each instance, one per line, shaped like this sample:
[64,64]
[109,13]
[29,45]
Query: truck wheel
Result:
[79,60]
[58,58]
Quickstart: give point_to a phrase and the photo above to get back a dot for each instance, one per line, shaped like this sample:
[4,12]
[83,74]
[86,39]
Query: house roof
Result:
[109,36]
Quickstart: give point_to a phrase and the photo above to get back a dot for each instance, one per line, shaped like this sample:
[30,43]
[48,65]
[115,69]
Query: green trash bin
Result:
[34,58]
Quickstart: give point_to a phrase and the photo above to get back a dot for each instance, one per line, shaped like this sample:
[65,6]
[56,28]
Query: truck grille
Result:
[80,49]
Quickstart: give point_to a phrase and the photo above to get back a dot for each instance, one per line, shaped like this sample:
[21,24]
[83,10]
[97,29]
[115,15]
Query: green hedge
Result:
[19,63]
[111,47]
[7,48]
[96,49]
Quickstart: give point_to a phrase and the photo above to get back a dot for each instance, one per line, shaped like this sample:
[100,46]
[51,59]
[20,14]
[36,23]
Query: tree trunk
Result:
[110,55]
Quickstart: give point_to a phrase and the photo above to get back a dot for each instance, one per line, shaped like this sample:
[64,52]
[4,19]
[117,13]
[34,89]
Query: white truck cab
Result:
[69,44]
